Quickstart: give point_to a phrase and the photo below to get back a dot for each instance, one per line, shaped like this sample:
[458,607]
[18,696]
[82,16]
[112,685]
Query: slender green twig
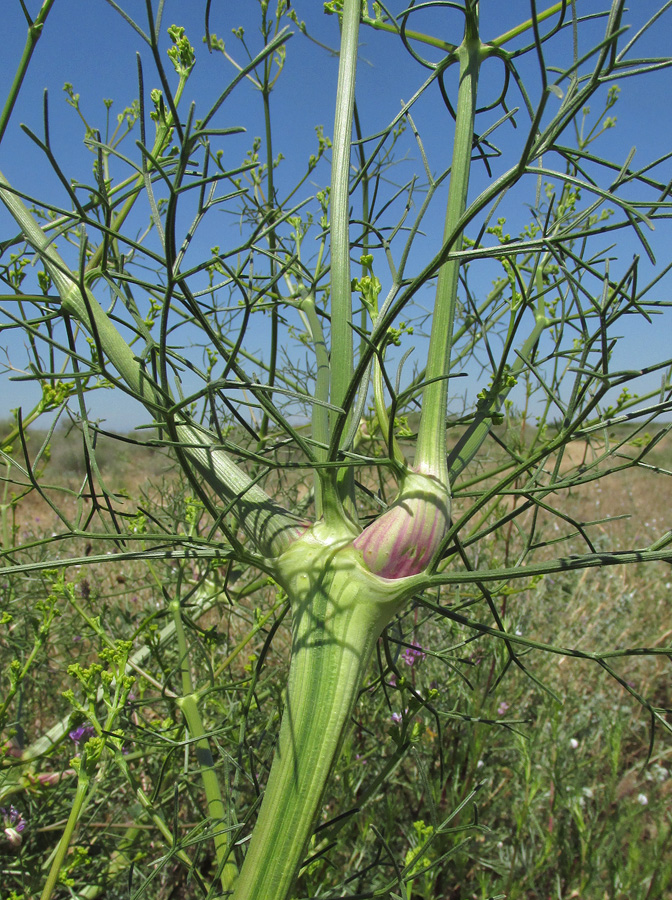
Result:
[188,704]
[35,28]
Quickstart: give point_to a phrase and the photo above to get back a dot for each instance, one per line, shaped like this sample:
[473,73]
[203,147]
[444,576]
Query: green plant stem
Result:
[40,407]
[33,36]
[188,704]
[66,837]
[319,413]
[431,41]
[162,140]
[421,37]
[213,794]
[525,26]
[395,451]
[339,610]
[431,448]
[363,323]
[272,238]
[7,517]
[38,643]
[342,358]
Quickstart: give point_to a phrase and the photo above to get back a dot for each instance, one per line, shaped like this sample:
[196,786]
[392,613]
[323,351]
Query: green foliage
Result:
[173,599]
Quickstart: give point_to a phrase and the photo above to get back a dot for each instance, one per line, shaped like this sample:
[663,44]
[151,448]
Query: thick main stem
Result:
[431,448]
[341,302]
[339,611]
[342,351]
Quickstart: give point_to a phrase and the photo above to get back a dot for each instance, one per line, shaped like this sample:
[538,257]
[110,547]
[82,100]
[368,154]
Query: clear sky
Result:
[86,43]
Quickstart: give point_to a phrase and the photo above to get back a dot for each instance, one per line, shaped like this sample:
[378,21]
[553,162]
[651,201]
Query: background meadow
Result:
[171,270]
[536,793]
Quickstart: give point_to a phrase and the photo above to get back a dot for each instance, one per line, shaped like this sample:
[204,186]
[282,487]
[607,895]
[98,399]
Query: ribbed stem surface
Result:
[430,454]
[339,611]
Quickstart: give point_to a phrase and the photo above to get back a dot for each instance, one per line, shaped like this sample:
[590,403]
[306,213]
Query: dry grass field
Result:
[572,782]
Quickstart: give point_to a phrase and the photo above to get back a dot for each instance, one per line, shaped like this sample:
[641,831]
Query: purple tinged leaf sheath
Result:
[405,538]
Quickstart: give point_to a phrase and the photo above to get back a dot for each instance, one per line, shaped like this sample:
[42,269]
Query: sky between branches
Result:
[86,43]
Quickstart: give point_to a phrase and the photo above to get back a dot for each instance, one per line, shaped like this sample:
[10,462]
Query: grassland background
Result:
[572,797]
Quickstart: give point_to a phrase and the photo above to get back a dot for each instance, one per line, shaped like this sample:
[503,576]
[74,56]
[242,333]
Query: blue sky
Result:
[87,43]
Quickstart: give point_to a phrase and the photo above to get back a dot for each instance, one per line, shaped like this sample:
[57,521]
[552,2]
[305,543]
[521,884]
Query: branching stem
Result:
[431,448]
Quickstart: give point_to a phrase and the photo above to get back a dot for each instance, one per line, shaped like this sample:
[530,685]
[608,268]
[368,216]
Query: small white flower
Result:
[660,773]
[642,799]
[480,764]
[573,743]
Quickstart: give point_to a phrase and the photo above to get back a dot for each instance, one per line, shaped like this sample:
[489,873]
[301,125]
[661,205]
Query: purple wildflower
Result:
[413,655]
[396,718]
[502,708]
[13,824]
[81,734]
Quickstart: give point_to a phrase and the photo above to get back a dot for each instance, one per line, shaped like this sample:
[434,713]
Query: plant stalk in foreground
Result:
[338,613]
